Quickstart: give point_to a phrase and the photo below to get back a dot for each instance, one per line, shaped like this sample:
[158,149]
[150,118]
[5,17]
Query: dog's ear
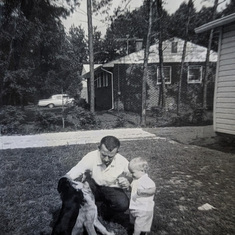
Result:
[63,184]
[79,197]
[87,176]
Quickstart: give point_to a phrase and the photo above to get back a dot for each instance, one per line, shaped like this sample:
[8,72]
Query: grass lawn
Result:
[186,177]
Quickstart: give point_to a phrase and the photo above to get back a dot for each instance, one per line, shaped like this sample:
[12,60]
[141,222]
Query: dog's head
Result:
[69,189]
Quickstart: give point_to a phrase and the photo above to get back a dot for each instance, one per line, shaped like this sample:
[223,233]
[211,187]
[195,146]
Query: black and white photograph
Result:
[117,117]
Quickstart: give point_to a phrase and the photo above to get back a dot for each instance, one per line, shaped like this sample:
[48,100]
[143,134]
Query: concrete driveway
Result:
[180,134]
[70,138]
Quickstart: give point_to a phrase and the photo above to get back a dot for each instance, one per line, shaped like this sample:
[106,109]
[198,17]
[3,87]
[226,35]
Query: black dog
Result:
[79,211]
[72,200]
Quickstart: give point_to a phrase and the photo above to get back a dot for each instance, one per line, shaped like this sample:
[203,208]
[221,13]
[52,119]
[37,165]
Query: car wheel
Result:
[51,106]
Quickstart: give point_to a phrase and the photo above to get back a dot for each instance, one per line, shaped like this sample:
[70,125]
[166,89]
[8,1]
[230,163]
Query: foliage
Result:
[12,120]
[126,24]
[229,8]
[47,121]
[37,55]
[100,49]
[18,84]
[34,120]
[79,118]
[82,103]
[133,89]
[179,18]
[75,118]
[77,47]
[120,122]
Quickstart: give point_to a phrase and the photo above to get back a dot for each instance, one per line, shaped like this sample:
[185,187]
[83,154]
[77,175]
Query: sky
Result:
[80,16]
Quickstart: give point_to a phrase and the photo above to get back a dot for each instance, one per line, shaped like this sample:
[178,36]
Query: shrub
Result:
[48,121]
[82,103]
[12,120]
[120,122]
[79,118]
[156,111]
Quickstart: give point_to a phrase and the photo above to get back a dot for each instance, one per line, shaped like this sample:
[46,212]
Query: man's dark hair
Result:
[110,142]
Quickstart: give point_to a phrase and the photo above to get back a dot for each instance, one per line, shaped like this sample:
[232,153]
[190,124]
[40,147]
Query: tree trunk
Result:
[181,76]
[183,58]
[161,71]
[91,57]
[145,73]
[206,74]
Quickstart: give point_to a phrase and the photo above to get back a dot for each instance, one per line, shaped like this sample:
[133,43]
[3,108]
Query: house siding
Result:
[128,88]
[103,93]
[224,102]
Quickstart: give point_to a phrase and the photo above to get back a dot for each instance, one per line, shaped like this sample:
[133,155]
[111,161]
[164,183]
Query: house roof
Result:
[86,68]
[194,53]
[216,23]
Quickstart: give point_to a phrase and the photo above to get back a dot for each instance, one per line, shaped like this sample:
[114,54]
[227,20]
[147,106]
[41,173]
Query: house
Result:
[224,97]
[84,91]
[118,84]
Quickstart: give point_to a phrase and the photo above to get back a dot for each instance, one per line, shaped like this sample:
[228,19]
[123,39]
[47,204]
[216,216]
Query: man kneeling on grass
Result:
[142,194]
[109,175]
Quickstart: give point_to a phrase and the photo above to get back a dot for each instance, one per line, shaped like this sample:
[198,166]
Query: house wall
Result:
[128,84]
[119,72]
[84,92]
[103,90]
[224,102]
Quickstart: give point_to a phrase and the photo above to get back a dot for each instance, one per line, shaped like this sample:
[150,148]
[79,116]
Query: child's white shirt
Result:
[142,203]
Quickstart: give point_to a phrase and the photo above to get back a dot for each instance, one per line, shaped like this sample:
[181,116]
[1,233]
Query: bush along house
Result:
[118,84]
[224,98]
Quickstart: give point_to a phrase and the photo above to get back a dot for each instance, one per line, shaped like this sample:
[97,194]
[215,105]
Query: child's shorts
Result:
[142,220]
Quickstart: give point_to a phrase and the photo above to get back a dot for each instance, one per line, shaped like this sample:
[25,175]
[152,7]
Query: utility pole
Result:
[91,56]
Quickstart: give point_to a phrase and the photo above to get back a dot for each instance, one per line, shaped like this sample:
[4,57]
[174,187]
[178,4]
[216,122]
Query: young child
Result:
[142,194]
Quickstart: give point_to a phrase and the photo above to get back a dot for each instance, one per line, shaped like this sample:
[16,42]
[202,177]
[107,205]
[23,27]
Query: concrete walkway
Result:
[70,138]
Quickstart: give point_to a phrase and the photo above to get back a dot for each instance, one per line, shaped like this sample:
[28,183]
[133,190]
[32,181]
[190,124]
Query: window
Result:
[167,75]
[98,81]
[174,47]
[105,80]
[194,74]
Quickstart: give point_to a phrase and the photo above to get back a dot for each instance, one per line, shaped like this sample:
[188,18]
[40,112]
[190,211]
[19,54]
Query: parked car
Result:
[56,100]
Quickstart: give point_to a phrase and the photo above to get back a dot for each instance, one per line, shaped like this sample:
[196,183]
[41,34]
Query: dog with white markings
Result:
[78,210]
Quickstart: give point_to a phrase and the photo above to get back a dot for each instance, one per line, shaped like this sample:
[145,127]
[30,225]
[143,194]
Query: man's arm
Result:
[79,169]
[74,173]
[123,182]
[125,178]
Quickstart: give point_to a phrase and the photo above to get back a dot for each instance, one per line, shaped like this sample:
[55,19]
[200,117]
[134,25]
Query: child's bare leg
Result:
[137,232]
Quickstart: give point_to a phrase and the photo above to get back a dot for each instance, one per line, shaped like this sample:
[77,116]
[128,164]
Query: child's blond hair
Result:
[139,163]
